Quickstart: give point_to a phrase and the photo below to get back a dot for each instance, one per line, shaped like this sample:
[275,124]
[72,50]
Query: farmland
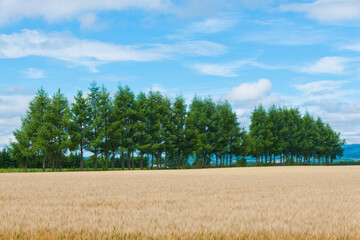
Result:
[312,202]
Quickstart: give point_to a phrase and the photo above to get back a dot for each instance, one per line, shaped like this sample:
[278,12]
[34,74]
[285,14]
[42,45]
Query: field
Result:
[247,203]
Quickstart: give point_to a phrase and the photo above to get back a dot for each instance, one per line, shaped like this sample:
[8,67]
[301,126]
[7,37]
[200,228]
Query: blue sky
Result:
[250,52]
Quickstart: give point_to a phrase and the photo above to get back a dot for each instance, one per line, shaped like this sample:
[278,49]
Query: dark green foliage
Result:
[79,121]
[150,131]
[294,139]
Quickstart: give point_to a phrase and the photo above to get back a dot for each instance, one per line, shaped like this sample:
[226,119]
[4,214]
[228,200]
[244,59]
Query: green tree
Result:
[257,129]
[79,124]
[179,135]
[58,117]
[142,138]
[95,122]
[39,125]
[105,112]
[124,120]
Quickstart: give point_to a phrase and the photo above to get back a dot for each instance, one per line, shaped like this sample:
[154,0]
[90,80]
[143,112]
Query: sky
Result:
[301,54]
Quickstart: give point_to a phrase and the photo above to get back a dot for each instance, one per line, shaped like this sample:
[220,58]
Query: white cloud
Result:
[34,73]
[230,69]
[331,65]
[11,109]
[257,3]
[156,87]
[250,91]
[352,47]
[90,53]
[210,25]
[327,10]
[16,91]
[318,88]
[56,10]
[287,36]
[333,102]
[90,21]
[222,70]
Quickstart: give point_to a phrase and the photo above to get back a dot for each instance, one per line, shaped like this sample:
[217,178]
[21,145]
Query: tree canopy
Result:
[151,131]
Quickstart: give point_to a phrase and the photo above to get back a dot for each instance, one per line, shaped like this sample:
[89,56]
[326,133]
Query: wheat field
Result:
[236,203]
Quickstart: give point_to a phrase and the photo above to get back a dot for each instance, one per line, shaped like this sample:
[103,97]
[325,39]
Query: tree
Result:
[142,138]
[58,117]
[257,130]
[79,124]
[124,121]
[105,112]
[39,125]
[95,122]
[179,121]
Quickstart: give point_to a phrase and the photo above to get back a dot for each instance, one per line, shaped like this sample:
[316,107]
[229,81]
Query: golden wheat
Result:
[272,202]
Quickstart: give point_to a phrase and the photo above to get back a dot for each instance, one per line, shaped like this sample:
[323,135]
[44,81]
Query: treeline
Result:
[150,131]
[292,137]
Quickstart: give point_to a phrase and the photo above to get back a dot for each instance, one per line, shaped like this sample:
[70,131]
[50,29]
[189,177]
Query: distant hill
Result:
[351,151]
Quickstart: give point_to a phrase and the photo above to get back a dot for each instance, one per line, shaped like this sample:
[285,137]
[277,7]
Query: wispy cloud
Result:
[207,26]
[325,65]
[34,73]
[222,70]
[89,21]
[286,36]
[330,65]
[210,25]
[327,10]
[16,91]
[353,47]
[56,10]
[90,53]
[320,87]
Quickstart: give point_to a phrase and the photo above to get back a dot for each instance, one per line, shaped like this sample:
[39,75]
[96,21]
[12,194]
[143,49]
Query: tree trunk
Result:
[216,159]
[53,164]
[141,160]
[182,161]
[157,161]
[166,154]
[204,159]
[197,160]
[128,159]
[152,161]
[43,165]
[26,160]
[95,159]
[60,155]
[81,156]
[132,161]
[230,159]
[179,159]
[106,160]
[274,159]
[113,160]
[122,160]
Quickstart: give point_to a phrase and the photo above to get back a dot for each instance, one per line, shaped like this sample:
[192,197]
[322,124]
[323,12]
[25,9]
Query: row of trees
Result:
[6,161]
[292,137]
[148,130]
[146,125]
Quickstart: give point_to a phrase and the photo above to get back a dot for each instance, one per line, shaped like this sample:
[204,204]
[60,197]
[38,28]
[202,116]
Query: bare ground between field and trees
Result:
[252,203]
